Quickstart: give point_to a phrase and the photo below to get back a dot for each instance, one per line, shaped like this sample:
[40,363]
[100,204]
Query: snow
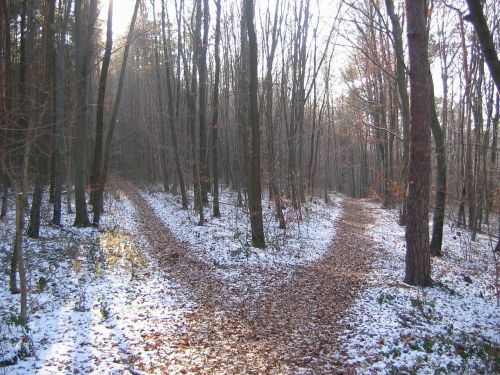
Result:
[103,303]
[226,240]
[448,327]
[100,303]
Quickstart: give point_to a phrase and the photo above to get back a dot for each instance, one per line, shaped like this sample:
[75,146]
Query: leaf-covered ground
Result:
[150,292]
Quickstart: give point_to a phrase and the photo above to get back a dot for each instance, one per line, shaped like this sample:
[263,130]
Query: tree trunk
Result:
[440,200]
[275,193]
[478,19]
[6,80]
[114,117]
[191,102]
[163,124]
[202,98]
[99,126]
[215,114]
[171,113]
[254,188]
[397,34]
[418,267]
[47,108]
[60,98]
[83,59]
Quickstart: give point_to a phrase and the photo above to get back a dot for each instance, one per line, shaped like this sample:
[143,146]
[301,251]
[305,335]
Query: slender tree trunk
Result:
[171,112]
[397,34]
[202,98]
[163,124]
[114,117]
[440,200]
[215,114]
[191,102]
[275,193]
[60,98]
[99,126]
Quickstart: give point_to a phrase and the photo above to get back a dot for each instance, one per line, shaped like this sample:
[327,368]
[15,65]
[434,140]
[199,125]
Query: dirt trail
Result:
[287,326]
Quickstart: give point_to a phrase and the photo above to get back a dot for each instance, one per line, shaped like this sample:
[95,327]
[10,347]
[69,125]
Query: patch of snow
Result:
[448,327]
[227,241]
[104,303]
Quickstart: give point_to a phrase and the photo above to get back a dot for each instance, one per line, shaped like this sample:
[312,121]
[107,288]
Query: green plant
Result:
[426,308]
[104,310]
[17,321]
[428,344]
[383,297]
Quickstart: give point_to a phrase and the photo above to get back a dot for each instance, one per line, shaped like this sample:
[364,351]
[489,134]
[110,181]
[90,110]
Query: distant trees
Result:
[197,105]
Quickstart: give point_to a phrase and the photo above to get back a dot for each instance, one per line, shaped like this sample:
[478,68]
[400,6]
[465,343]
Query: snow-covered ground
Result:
[96,304]
[99,303]
[226,240]
[452,327]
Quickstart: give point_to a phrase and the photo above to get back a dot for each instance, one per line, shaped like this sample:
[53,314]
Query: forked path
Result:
[273,321]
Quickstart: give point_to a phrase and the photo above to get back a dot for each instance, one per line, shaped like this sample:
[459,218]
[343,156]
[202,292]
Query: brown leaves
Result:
[264,320]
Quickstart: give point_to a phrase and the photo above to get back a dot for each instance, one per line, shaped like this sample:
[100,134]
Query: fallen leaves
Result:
[286,322]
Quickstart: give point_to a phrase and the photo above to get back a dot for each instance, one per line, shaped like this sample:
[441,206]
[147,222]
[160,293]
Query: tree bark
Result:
[99,126]
[60,98]
[171,113]
[476,16]
[418,267]
[114,117]
[83,59]
[275,192]
[202,98]
[440,200]
[215,114]
[254,188]
[397,34]
[47,97]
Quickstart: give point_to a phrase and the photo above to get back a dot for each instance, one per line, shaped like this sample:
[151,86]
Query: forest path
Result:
[261,320]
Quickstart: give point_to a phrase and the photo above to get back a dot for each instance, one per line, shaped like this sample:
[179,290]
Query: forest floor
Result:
[151,292]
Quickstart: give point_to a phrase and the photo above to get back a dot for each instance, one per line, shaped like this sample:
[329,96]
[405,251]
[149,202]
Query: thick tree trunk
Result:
[47,97]
[6,104]
[254,188]
[418,266]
